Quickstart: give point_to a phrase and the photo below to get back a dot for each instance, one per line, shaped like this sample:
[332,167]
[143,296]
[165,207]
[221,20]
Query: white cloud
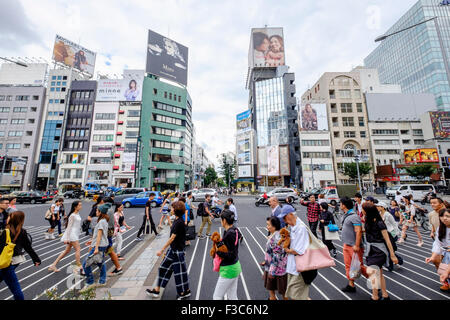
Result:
[320,36]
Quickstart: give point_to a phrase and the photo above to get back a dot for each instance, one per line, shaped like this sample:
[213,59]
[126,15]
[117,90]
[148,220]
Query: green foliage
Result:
[351,170]
[210,176]
[227,168]
[90,294]
[221,183]
[421,171]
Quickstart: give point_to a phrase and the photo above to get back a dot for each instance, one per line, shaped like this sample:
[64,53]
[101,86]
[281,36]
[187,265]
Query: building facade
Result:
[165,140]
[51,133]
[347,120]
[77,131]
[414,58]
[21,108]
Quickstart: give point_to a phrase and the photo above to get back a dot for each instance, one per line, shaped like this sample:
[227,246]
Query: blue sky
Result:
[320,36]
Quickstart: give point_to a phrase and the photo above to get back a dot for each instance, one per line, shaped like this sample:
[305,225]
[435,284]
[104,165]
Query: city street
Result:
[414,280]
[35,280]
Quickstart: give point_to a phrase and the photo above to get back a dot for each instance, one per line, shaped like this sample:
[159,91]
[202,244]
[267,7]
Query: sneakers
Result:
[152,292]
[60,235]
[333,253]
[88,287]
[400,241]
[115,272]
[138,239]
[184,295]
[208,235]
[349,289]
[420,243]
[52,236]
[201,236]
[47,236]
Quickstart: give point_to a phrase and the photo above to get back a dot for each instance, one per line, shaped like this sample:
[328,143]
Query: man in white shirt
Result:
[398,198]
[297,289]
[231,206]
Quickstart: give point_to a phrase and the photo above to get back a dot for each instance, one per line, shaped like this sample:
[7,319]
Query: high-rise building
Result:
[165,140]
[51,134]
[274,113]
[415,58]
[347,120]
[77,130]
[20,120]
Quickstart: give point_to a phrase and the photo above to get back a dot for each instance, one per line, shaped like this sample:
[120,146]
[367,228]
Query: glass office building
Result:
[414,58]
[271,116]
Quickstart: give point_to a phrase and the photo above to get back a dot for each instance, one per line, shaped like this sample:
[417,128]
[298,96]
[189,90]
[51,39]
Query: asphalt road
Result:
[414,280]
[35,280]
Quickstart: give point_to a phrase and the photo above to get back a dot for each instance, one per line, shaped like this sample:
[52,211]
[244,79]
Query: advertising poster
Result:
[313,117]
[73,55]
[127,89]
[267,47]
[262,161]
[440,122]
[273,161]
[285,169]
[166,58]
[245,171]
[244,121]
[421,156]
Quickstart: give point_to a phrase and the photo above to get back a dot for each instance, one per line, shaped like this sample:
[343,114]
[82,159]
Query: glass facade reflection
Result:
[271,117]
[413,58]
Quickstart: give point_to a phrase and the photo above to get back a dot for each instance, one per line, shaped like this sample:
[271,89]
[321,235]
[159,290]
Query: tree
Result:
[421,171]
[210,176]
[221,183]
[351,170]
[227,166]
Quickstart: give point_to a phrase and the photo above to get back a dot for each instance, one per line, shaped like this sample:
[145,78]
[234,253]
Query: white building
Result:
[317,161]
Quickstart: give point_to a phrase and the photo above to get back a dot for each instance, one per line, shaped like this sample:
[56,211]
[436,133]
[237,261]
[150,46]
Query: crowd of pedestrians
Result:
[370,230]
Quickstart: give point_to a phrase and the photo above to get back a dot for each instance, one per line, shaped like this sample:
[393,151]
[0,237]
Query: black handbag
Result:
[309,276]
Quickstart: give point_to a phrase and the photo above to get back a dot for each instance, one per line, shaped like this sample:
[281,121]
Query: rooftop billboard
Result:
[73,55]
[166,58]
[421,156]
[266,48]
[127,89]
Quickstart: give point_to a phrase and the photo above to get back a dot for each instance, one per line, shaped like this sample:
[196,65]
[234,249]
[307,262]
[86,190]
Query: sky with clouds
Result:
[320,36]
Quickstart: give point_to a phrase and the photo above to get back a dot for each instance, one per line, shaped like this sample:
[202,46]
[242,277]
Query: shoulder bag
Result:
[48,214]
[315,257]
[218,260]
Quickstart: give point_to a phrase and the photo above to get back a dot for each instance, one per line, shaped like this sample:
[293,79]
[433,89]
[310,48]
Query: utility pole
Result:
[312,173]
[357,169]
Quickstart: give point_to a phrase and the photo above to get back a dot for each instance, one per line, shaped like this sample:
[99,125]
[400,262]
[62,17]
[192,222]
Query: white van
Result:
[418,191]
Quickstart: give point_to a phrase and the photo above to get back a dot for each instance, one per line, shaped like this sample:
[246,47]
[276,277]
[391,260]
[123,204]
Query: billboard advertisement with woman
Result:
[314,117]
[267,47]
[73,55]
[127,89]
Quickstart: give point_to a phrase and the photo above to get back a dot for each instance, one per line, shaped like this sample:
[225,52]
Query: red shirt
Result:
[313,210]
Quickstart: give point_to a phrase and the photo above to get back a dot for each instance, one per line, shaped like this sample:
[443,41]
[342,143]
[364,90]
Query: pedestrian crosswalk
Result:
[414,280]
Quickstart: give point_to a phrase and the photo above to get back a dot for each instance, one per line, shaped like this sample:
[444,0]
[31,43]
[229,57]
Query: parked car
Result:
[199,195]
[418,191]
[74,194]
[391,192]
[124,193]
[32,197]
[93,189]
[283,193]
[314,191]
[141,199]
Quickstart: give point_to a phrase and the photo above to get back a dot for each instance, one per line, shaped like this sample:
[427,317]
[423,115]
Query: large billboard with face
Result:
[244,121]
[421,156]
[313,117]
[127,89]
[166,58]
[266,47]
[73,55]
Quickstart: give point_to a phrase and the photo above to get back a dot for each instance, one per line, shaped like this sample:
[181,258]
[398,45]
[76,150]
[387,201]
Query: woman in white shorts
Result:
[407,219]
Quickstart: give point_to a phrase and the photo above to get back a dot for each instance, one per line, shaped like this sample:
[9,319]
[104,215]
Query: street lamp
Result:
[441,44]
[16,62]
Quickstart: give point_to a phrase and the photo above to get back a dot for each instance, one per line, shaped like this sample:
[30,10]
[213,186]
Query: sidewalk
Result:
[140,271]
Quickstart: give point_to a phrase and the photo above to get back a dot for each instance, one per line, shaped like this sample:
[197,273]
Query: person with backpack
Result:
[408,220]
[174,259]
[230,267]
[205,213]
[186,218]
[165,212]
[326,217]
[15,234]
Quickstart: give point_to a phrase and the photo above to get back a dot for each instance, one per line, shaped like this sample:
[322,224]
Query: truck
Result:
[333,194]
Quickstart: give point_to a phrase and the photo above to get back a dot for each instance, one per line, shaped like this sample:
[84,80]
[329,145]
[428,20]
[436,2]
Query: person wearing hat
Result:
[98,245]
[297,289]
[392,228]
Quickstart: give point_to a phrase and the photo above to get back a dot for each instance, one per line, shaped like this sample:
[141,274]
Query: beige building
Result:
[347,120]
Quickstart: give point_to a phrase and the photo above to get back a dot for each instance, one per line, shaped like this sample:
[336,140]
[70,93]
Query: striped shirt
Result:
[313,210]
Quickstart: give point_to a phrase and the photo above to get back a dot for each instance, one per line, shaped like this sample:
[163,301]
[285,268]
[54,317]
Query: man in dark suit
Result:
[276,209]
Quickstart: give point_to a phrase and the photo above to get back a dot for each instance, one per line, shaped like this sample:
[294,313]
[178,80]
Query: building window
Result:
[103,137]
[417,132]
[315,143]
[4,109]
[13,146]
[133,123]
[406,141]
[104,126]
[348,122]
[361,121]
[322,155]
[359,107]
[166,145]
[419,141]
[22,98]
[166,107]
[346,108]
[385,132]
[349,134]
[20,109]
[165,119]
[131,134]
[15,133]
[336,134]
[165,94]
[17,121]
[9,98]
[345,94]
[105,116]
[385,142]
[362,134]
[404,131]
[134,113]
[100,160]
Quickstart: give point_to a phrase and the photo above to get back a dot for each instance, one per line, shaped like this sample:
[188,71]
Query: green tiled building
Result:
[165,157]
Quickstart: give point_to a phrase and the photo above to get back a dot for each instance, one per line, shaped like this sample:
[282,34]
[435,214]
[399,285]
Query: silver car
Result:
[283,193]
[199,195]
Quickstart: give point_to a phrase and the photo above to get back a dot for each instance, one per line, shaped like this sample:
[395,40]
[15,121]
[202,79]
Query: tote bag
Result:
[315,257]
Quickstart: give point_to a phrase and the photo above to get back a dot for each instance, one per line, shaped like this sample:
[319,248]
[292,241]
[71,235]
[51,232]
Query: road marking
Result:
[333,285]
[193,254]
[256,241]
[245,286]
[197,295]
[253,256]
[323,294]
